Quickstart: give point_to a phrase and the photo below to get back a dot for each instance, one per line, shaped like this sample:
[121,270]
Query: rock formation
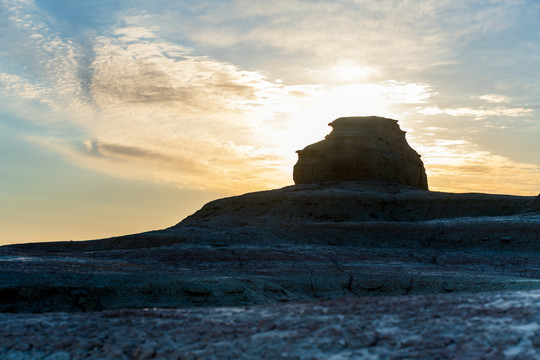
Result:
[351,202]
[305,255]
[361,148]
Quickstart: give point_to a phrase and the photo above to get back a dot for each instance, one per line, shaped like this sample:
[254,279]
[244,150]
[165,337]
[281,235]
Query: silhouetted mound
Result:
[351,202]
[536,204]
[361,148]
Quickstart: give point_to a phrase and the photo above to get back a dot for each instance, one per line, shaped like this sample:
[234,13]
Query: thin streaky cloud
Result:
[152,91]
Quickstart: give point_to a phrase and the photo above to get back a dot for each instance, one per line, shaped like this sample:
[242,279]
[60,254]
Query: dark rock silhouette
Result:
[351,202]
[361,148]
[536,204]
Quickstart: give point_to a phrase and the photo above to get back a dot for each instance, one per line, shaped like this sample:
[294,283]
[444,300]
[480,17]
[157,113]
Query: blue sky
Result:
[124,116]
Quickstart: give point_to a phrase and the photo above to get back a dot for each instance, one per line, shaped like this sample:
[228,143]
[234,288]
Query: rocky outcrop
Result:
[216,266]
[536,204]
[351,202]
[361,148]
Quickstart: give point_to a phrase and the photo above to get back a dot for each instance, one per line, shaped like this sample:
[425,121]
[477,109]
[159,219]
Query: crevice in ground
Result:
[350,286]
[240,263]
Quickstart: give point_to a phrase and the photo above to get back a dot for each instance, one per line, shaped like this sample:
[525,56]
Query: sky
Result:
[124,116]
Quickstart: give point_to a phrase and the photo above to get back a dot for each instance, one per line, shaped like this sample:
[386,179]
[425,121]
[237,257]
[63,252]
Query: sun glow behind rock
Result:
[303,120]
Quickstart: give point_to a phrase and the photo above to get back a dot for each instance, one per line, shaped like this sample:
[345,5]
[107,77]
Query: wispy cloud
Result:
[148,109]
[479,113]
[38,64]
[494,98]
[151,109]
[459,166]
[17,86]
[393,35]
[224,107]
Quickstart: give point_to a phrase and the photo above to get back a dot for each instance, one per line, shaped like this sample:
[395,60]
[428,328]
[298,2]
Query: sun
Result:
[351,73]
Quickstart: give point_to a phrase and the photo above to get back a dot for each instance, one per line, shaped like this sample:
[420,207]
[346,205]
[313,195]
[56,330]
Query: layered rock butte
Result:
[361,148]
[348,230]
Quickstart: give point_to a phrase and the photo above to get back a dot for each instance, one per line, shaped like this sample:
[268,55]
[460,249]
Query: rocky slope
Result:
[296,243]
[347,241]
[352,202]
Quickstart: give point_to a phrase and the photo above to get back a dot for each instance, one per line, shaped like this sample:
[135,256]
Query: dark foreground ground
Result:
[310,272]
[456,326]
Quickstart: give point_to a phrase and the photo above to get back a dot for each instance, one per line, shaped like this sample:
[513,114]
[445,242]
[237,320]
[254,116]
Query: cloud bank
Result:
[215,95]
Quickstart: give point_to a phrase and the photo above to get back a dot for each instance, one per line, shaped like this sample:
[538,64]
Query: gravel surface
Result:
[452,326]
